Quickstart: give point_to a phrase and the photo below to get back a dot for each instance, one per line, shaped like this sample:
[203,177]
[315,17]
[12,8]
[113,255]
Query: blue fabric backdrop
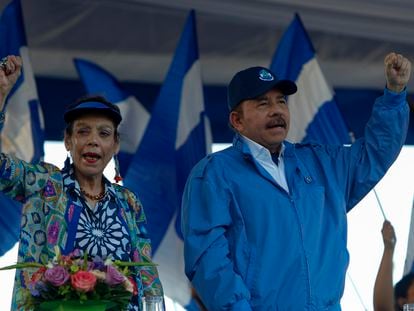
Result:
[55,94]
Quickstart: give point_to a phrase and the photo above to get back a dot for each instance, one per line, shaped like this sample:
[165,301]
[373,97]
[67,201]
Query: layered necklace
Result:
[95,197]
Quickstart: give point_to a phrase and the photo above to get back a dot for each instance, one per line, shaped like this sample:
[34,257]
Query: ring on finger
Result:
[3,63]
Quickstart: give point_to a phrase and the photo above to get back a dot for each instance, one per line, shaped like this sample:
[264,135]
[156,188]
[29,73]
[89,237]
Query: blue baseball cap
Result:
[253,82]
[77,109]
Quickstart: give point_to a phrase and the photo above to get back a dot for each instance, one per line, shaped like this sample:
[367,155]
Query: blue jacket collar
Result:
[241,146]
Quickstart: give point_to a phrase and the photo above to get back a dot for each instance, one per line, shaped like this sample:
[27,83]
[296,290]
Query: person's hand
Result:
[388,235]
[10,69]
[397,71]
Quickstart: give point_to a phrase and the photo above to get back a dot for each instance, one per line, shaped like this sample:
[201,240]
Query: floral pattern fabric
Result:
[52,215]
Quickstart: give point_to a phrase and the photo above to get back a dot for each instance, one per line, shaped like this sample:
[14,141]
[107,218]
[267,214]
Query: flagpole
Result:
[409,257]
[379,204]
[357,292]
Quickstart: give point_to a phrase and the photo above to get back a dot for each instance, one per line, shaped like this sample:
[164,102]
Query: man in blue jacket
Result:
[264,221]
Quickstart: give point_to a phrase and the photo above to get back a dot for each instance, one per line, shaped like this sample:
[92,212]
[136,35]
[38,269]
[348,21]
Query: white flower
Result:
[128,285]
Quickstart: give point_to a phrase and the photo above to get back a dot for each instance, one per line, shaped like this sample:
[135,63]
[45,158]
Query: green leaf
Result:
[134,264]
[22,265]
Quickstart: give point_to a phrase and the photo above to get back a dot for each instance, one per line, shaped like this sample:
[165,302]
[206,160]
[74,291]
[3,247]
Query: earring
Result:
[117,177]
[66,164]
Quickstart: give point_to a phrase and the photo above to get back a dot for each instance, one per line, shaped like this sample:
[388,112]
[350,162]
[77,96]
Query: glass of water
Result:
[408,307]
[153,303]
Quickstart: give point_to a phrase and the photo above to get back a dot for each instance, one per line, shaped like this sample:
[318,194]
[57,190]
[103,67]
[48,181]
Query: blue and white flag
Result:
[409,259]
[23,130]
[314,113]
[176,138]
[135,117]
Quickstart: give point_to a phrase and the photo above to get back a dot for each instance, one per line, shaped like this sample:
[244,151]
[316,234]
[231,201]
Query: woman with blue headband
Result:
[76,209]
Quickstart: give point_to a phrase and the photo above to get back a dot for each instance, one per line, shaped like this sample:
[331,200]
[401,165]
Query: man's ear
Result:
[235,119]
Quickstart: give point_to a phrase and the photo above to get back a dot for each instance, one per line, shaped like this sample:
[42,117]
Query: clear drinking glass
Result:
[408,307]
[153,303]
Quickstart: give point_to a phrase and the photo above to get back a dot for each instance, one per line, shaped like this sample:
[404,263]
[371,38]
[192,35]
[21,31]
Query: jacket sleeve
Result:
[373,154]
[11,176]
[19,179]
[205,223]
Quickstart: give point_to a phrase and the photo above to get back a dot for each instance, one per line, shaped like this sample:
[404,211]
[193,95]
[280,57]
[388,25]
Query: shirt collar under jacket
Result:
[263,157]
[71,184]
[261,153]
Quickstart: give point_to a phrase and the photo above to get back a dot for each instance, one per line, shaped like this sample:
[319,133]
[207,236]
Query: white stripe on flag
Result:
[191,105]
[170,260]
[134,121]
[313,91]
[170,253]
[17,132]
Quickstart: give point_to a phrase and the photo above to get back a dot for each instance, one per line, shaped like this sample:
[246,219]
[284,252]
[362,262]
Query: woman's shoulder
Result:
[41,166]
[128,196]
[122,190]
[49,167]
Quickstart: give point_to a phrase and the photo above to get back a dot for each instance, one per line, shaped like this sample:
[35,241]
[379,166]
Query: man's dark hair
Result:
[401,288]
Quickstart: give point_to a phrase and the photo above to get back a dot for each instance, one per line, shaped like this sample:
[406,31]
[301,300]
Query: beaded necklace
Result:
[94,197]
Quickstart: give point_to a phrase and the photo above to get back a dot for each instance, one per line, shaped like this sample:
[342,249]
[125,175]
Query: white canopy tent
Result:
[135,39]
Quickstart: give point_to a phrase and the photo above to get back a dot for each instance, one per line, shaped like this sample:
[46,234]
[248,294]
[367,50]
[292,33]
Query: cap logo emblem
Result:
[265,75]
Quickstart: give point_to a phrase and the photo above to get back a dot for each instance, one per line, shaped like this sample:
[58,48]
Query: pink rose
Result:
[57,276]
[113,276]
[83,281]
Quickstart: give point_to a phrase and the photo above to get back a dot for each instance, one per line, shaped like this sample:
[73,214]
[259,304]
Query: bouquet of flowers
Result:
[75,281]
